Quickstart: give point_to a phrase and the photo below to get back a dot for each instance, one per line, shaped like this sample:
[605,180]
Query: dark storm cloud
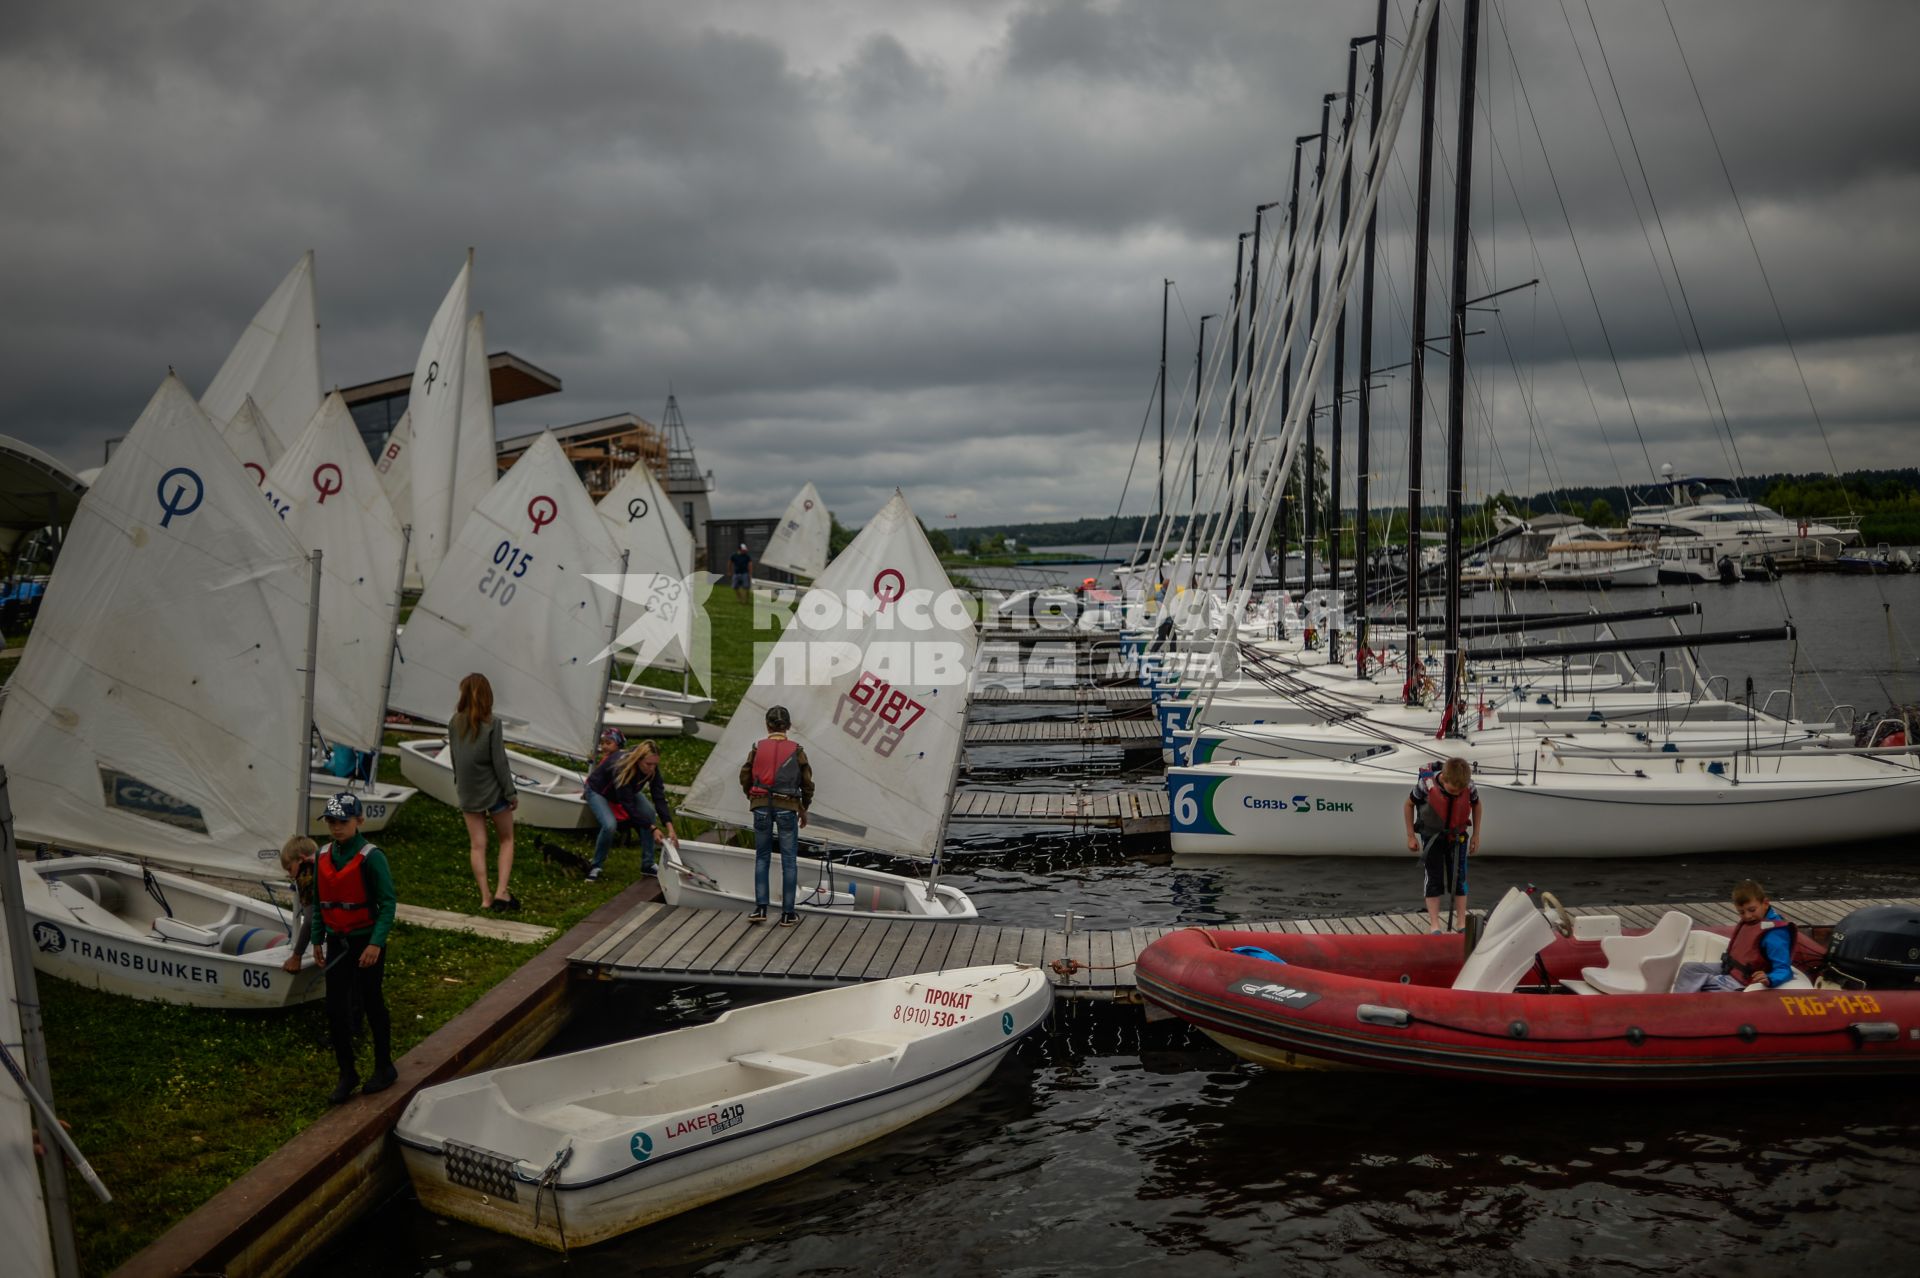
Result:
[920,244]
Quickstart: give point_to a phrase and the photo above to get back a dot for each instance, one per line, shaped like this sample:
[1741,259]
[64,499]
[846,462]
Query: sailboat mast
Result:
[1313,323]
[1340,377]
[1253,310]
[1286,320]
[393,644]
[613,636]
[1233,393]
[1363,424]
[1160,490]
[303,759]
[1199,372]
[1417,357]
[1457,364]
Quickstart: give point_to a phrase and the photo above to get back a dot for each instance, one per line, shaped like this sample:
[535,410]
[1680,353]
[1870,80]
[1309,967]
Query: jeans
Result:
[643,820]
[768,824]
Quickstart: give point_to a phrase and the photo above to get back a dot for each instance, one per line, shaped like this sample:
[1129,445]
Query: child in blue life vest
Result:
[1759,955]
[778,782]
[1443,829]
[357,904]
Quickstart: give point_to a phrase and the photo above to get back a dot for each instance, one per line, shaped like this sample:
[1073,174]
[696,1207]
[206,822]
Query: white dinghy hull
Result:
[378,802]
[656,1126]
[93,922]
[551,797]
[718,877]
[640,696]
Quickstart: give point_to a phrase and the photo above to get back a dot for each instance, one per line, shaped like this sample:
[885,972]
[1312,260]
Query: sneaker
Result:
[648,871]
[383,1078]
[593,875]
[506,904]
[758,916]
[788,920]
[348,1084]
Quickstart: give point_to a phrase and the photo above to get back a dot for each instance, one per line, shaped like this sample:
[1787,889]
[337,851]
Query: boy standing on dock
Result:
[1443,827]
[357,904]
[779,785]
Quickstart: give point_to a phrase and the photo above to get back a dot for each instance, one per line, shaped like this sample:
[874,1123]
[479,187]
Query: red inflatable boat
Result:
[1535,1003]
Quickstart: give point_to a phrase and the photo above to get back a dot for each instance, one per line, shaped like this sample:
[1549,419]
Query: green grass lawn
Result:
[171,1104]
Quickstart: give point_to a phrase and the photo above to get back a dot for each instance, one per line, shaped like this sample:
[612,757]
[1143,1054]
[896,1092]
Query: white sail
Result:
[158,710]
[276,361]
[799,541]
[251,440]
[434,402]
[475,465]
[512,602]
[659,627]
[23,1213]
[327,490]
[873,669]
[396,476]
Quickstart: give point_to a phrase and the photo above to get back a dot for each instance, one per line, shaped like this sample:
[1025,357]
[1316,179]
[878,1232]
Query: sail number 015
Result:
[510,563]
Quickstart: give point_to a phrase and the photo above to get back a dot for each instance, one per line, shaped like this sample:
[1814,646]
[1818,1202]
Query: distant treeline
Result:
[1888,502]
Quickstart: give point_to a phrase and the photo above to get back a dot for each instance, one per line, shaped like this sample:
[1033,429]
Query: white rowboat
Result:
[572,1150]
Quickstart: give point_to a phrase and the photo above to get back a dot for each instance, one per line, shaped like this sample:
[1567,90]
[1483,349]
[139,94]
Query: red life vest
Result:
[776,769]
[1453,811]
[345,904]
[1745,959]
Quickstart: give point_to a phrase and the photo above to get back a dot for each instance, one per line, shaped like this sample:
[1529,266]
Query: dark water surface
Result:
[1110,1147]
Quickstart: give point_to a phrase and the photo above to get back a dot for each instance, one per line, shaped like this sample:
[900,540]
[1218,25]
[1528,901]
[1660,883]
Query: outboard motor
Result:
[1729,571]
[1877,947]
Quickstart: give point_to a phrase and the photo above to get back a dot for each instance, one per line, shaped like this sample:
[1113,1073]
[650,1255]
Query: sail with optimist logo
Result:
[435,399]
[157,710]
[659,628]
[512,600]
[874,670]
[327,491]
[800,540]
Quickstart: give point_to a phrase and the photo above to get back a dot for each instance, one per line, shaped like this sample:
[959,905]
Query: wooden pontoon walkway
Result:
[1135,734]
[1127,696]
[655,942]
[1133,811]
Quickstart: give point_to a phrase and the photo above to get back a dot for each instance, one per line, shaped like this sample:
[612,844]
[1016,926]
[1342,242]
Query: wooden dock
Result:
[1131,811]
[1124,697]
[1134,734]
[656,942]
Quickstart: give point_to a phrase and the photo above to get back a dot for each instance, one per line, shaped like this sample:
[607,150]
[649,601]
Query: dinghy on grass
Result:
[110,925]
[575,1149]
[883,733]
[551,797]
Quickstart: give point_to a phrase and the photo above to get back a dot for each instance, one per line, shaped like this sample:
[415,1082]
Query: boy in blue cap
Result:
[357,902]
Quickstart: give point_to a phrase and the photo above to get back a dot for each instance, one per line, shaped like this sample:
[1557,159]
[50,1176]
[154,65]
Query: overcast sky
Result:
[920,244]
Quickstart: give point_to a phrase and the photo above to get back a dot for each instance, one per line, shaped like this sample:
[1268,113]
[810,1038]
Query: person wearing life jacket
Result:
[1759,954]
[778,782]
[357,904]
[1443,828]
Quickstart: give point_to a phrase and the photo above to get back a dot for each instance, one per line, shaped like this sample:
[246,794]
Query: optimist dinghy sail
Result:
[434,402]
[641,520]
[799,541]
[157,711]
[252,440]
[874,670]
[327,491]
[513,601]
[276,362]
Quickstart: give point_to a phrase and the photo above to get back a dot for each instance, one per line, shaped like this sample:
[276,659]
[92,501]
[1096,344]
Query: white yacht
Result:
[1702,521]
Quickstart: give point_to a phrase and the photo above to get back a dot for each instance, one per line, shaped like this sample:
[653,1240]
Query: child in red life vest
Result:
[1759,954]
[779,784]
[1443,828]
[357,902]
